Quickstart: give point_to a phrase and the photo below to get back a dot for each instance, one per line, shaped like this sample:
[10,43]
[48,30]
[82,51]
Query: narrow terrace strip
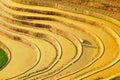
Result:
[51,41]
[108,30]
[71,38]
[117,59]
[55,31]
[34,48]
[57,12]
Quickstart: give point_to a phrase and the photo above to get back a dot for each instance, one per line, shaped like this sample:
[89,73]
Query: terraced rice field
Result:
[54,43]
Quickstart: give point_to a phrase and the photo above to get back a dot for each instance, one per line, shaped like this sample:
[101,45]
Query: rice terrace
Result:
[59,39]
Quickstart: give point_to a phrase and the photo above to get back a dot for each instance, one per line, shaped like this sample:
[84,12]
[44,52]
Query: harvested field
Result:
[59,40]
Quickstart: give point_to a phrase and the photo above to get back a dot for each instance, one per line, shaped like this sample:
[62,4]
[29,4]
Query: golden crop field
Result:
[59,40]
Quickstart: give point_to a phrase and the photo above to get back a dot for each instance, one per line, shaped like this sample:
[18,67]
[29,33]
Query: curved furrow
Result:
[103,28]
[57,8]
[107,65]
[92,61]
[81,21]
[15,57]
[47,38]
[70,38]
[114,77]
[44,26]
[116,37]
[53,11]
[78,65]
[111,61]
[114,69]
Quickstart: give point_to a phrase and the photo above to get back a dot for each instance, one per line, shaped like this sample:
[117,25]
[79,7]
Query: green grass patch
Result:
[3,58]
